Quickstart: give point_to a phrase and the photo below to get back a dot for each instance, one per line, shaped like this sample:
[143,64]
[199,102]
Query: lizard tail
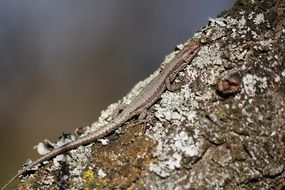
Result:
[10,181]
[69,146]
[45,157]
[48,156]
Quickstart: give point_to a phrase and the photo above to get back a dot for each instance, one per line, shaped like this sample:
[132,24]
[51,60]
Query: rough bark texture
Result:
[223,129]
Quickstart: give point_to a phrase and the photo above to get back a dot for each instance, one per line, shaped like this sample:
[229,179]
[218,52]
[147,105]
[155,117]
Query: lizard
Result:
[137,107]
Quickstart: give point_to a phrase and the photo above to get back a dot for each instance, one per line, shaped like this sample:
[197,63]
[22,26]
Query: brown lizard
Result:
[138,106]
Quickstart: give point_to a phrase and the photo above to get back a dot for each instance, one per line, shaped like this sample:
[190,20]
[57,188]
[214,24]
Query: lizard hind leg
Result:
[171,86]
[141,120]
[142,115]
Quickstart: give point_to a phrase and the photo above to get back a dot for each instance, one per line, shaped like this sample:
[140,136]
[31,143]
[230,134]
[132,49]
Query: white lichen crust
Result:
[205,141]
[222,129]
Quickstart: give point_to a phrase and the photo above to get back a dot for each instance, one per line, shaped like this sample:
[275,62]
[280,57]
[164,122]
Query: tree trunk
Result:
[224,128]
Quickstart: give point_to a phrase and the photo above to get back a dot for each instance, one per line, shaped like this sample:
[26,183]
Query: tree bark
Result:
[223,129]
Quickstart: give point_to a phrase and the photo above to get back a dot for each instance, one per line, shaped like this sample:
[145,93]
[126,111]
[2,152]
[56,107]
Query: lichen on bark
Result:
[223,129]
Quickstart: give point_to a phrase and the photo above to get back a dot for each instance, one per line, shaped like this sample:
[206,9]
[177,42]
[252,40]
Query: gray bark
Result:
[223,129]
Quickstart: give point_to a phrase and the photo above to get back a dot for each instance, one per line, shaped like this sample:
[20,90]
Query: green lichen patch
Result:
[223,129]
[122,161]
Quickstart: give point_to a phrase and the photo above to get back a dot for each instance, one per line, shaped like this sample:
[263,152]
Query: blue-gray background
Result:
[61,62]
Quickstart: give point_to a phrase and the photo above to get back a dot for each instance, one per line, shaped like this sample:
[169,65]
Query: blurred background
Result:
[62,62]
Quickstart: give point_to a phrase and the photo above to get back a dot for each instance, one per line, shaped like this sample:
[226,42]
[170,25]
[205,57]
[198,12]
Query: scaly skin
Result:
[146,98]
